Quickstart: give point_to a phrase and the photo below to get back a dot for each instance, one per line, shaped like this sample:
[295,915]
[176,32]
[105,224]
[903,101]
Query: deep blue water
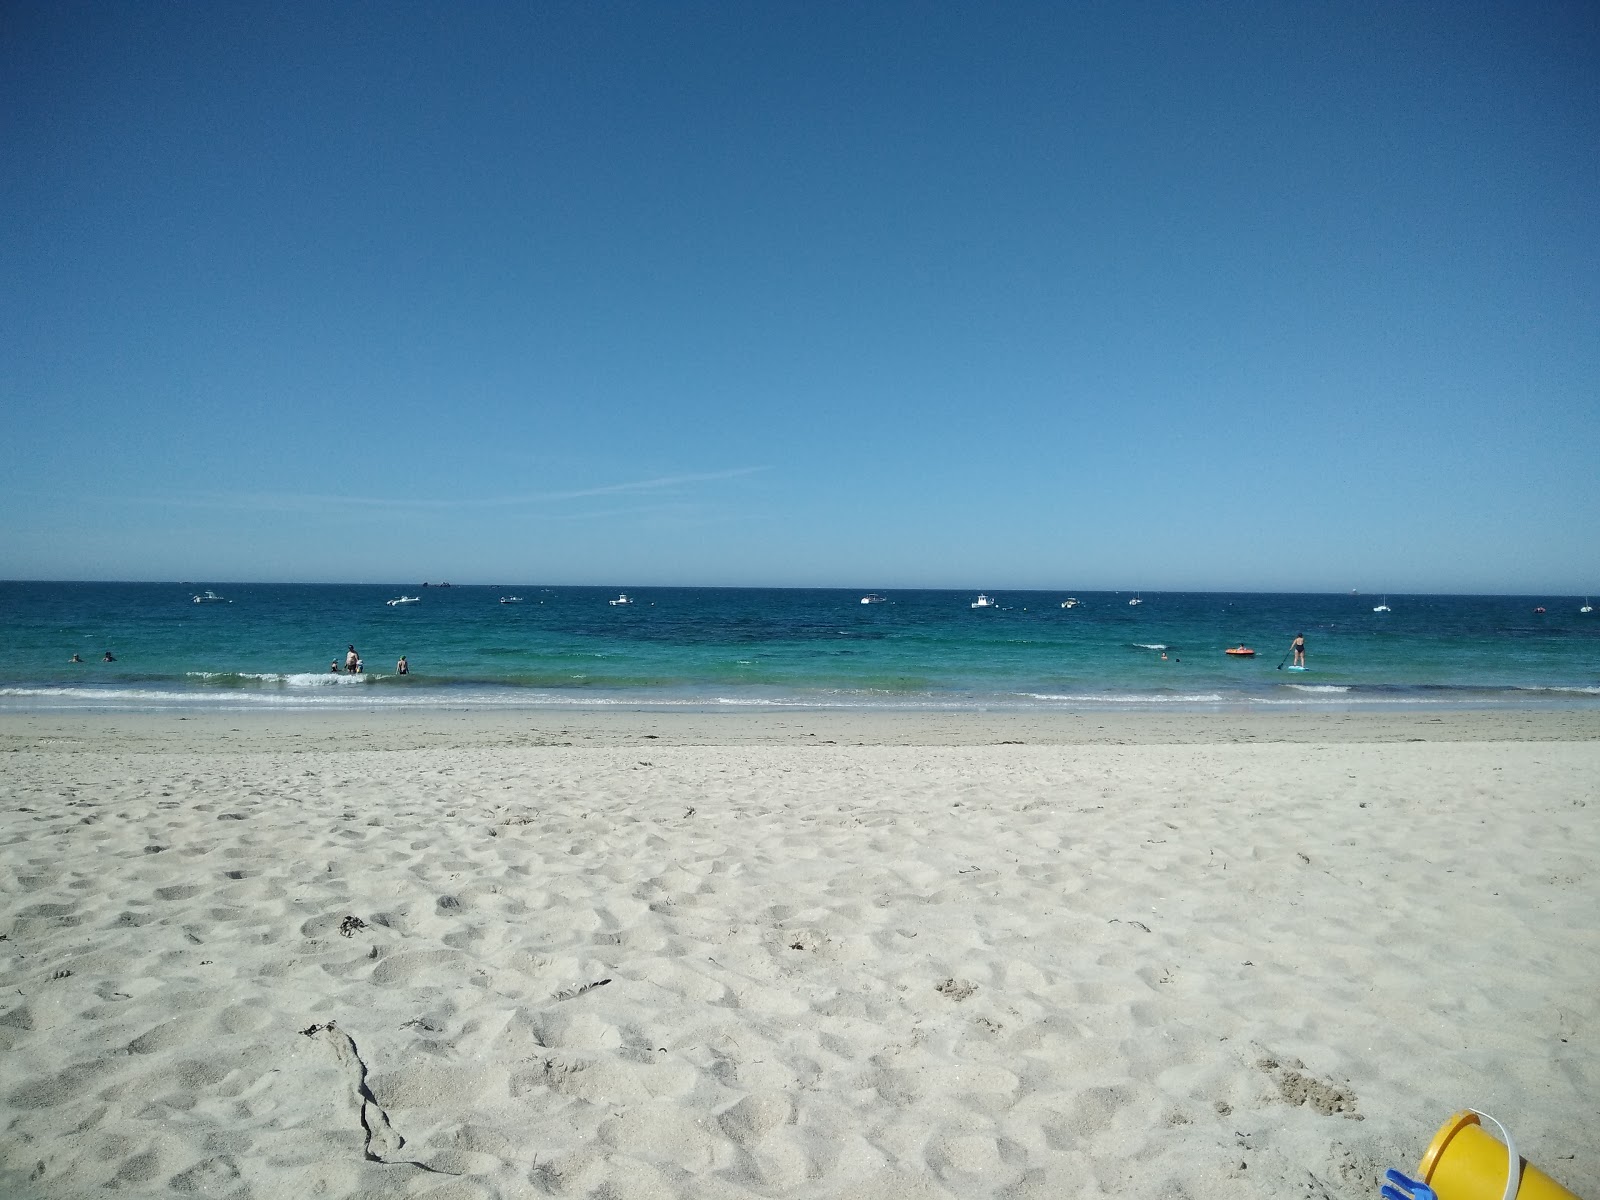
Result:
[271,645]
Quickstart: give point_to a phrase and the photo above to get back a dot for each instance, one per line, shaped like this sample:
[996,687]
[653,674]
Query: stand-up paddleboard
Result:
[1294,668]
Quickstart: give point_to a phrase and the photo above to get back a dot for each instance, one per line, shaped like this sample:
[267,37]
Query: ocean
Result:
[269,647]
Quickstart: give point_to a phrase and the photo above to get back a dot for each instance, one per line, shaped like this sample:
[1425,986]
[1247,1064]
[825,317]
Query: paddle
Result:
[1286,654]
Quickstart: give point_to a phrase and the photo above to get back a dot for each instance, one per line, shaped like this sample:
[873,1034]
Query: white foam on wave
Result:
[312,679]
[1151,645]
[220,699]
[1317,687]
[1570,691]
[290,679]
[241,700]
[1350,701]
[72,693]
[1207,698]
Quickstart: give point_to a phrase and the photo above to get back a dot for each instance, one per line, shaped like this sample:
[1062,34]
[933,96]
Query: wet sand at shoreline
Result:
[469,727]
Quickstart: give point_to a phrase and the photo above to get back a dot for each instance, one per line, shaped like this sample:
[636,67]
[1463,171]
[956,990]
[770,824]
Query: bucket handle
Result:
[1513,1160]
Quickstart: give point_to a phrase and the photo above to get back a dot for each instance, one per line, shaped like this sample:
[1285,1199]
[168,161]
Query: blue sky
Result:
[1276,296]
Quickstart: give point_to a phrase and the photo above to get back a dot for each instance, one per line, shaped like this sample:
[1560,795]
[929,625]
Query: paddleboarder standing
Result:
[1299,649]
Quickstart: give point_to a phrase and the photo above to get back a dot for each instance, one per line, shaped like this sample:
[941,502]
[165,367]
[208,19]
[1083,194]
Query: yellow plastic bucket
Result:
[1465,1162]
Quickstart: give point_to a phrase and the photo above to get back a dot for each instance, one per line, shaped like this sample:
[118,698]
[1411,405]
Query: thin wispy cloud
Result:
[643,485]
[309,501]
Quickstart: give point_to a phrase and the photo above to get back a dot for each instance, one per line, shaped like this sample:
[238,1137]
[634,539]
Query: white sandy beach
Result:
[645,955]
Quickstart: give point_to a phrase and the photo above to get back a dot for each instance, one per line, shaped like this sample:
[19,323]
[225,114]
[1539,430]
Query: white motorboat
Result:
[210,597]
[1384,607]
[985,602]
[510,599]
[622,598]
[1070,602]
[403,600]
[874,598]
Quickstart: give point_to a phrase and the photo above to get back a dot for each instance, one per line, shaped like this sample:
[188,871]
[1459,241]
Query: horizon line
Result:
[1173,591]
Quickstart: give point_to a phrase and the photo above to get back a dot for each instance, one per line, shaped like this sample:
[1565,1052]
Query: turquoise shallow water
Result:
[270,646]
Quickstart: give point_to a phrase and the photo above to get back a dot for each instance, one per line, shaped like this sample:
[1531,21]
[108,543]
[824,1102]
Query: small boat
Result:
[984,602]
[1539,610]
[1384,607]
[510,599]
[1240,651]
[210,597]
[403,600]
[1587,607]
[622,598]
[874,598]
[1070,602]
[1136,599]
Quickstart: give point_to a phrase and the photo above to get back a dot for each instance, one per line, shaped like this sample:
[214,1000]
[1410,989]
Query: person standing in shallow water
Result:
[351,658]
[402,667]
